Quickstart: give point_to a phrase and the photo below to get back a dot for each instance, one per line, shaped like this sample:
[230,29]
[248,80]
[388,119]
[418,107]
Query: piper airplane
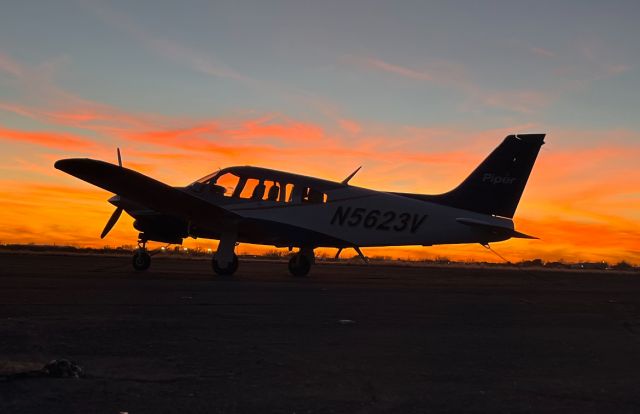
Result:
[262,206]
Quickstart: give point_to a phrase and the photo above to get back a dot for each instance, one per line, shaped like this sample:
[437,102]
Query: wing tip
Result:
[68,163]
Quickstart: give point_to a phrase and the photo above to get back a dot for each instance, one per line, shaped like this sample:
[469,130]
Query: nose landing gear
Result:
[225,260]
[141,258]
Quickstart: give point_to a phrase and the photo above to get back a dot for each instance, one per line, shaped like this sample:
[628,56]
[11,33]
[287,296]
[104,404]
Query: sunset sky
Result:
[417,92]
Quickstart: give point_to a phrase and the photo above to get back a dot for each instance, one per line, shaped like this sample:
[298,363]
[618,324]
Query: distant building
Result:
[591,265]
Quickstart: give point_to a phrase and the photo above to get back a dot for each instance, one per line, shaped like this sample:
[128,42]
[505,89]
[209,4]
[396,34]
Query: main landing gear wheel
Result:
[141,260]
[299,265]
[229,270]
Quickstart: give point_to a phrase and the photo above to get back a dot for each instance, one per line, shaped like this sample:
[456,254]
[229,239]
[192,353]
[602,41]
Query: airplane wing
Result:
[145,190]
[493,228]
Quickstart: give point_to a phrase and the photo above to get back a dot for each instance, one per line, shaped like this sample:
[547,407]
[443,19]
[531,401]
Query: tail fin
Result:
[496,185]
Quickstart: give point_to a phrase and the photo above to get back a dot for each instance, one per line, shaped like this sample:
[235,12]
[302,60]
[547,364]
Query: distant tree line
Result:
[275,254]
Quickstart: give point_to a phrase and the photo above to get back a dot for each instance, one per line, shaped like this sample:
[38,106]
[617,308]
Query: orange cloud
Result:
[282,129]
[48,139]
[83,114]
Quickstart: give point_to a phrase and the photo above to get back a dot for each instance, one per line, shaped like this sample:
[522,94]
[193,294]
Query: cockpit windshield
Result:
[206,178]
[225,183]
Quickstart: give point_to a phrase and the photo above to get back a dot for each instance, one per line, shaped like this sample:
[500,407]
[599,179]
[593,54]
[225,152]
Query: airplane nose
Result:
[115,200]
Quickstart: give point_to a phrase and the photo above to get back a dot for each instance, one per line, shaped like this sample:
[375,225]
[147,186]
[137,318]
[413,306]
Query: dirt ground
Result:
[348,339]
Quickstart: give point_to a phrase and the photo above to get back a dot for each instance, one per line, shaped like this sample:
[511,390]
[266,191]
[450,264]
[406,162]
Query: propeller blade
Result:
[112,221]
[119,157]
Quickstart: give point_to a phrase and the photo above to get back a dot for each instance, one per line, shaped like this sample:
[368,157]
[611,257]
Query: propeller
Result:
[112,222]
[116,214]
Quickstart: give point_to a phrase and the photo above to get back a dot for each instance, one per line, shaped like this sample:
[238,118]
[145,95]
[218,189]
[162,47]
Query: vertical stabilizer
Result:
[496,185]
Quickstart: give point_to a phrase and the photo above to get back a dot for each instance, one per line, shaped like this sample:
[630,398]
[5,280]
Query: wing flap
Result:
[144,190]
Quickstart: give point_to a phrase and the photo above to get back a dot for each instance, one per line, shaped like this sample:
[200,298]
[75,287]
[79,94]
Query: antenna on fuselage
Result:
[346,180]
[119,157]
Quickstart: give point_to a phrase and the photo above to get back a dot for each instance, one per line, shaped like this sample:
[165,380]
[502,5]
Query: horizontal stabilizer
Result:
[494,228]
[144,190]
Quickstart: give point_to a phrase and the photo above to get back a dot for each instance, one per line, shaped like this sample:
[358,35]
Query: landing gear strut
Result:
[225,261]
[141,258]
[300,263]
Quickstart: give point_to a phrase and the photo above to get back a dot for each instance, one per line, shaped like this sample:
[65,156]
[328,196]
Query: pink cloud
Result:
[397,69]
[542,52]
[617,69]
[9,66]
[454,76]
[523,101]
[350,126]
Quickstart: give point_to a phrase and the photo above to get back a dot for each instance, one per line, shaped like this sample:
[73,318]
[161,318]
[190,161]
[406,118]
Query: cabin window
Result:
[285,192]
[253,189]
[273,191]
[307,195]
[314,196]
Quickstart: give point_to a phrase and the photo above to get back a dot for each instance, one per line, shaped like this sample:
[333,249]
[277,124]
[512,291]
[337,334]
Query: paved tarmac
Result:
[348,339]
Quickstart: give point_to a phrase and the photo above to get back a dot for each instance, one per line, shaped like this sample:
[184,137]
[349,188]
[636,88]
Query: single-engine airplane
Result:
[263,206]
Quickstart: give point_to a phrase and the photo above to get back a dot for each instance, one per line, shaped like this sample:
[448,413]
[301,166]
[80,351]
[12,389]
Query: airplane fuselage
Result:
[355,216]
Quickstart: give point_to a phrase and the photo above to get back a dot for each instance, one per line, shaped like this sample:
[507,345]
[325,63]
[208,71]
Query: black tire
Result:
[299,265]
[225,271]
[141,261]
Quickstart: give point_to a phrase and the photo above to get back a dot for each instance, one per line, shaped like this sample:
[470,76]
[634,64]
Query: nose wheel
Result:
[141,258]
